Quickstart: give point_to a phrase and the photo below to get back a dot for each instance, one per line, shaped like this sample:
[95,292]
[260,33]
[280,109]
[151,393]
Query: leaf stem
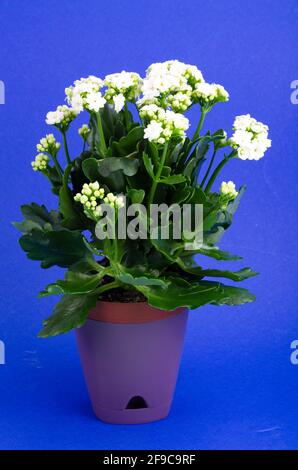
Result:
[126,115]
[217,170]
[57,166]
[200,125]
[157,176]
[208,169]
[66,147]
[101,134]
[105,287]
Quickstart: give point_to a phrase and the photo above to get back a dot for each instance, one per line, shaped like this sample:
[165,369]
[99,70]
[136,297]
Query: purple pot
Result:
[130,355]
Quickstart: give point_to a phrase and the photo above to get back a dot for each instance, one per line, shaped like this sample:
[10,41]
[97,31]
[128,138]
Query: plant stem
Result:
[216,172]
[106,287]
[66,147]
[101,134]
[209,168]
[200,125]
[126,116]
[57,166]
[157,176]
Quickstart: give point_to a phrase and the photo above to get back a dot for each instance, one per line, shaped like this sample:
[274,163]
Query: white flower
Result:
[163,125]
[170,78]
[119,102]
[84,131]
[177,120]
[210,93]
[40,163]
[48,144]
[250,138]
[84,93]
[152,111]
[90,195]
[179,101]
[94,102]
[153,131]
[124,83]
[62,117]
[54,117]
[114,201]
[228,189]
[77,103]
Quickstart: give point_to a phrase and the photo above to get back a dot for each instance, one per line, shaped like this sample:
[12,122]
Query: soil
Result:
[122,295]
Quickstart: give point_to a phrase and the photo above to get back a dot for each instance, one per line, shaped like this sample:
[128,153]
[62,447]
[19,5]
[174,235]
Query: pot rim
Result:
[130,312]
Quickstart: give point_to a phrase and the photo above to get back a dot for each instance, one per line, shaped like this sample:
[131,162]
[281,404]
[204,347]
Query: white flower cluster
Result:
[40,163]
[121,87]
[178,85]
[114,201]
[250,138]
[84,131]
[180,101]
[209,93]
[163,125]
[228,190]
[48,144]
[169,77]
[62,117]
[85,94]
[92,196]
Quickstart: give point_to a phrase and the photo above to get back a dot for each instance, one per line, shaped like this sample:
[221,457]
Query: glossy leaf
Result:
[173,179]
[136,195]
[128,143]
[62,248]
[70,312]
[38,217]
[148,165]
[74,283]
[216,253]
[195,295]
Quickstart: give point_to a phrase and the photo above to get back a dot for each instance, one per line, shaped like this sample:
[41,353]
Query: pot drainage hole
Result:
[136,403]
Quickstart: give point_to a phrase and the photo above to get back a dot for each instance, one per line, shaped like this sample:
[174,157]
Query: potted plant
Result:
[131,275]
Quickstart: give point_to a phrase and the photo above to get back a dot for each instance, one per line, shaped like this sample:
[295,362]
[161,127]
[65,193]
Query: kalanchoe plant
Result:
[135,148]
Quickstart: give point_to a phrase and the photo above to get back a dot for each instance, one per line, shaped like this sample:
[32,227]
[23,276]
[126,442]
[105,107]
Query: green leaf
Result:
[236,276]
[86,265]
[94,168]
[169,248]
[136,195]
[196,160]
[128,143]
[116,179]
[173,179]
[195,295]
[153,152]
[111,123]
[74,283]
[128,165]
[38,217]
[54,178]
[71,312]
[137,276]
[182,195]
[216,253]
[233,205]
[62,248]
[219,138]
[148,165]
[73,219]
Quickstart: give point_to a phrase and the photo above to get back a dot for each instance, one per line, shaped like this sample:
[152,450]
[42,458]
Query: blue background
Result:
[237,387]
